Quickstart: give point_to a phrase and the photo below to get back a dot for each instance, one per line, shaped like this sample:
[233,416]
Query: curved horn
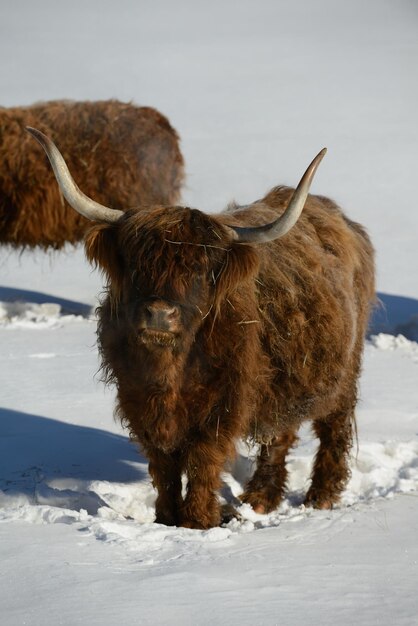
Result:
[74,196]
[278,228]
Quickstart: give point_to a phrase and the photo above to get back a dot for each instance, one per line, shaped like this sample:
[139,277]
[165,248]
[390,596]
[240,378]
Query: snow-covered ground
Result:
[255,89]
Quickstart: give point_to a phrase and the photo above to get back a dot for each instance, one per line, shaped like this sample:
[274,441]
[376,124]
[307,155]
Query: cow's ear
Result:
[102,250]
[241,265]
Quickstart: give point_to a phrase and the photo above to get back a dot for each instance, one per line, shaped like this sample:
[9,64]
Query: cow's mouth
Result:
[152,337]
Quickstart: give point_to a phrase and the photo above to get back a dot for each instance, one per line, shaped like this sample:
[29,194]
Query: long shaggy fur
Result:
[270,335]
[120,154]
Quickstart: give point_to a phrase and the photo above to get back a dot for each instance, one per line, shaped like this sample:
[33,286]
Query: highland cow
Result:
[121,154]
[240,324]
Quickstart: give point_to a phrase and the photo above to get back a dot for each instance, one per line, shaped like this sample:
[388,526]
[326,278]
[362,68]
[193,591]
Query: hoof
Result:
[228,513]
[260,509]
[317,501]
[259,503]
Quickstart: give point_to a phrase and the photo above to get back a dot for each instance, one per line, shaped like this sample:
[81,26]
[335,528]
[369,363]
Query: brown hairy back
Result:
[120,154]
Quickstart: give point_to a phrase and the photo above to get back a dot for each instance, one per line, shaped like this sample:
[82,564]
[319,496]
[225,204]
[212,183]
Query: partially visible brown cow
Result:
[223,326]
[121,154]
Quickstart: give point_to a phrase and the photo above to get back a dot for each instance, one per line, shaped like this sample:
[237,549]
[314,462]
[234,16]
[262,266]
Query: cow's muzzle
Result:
[159,323]
[160,316]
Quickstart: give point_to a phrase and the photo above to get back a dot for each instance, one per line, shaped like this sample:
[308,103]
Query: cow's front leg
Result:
[203,465]
[165,471]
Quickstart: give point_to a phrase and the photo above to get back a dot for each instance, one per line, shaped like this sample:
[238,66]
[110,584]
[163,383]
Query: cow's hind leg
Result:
[331,468]
[266,488]
[165,471]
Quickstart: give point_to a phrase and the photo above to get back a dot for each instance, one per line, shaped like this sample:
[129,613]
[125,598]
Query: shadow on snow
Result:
[68,307]
[395,315]
[36,450]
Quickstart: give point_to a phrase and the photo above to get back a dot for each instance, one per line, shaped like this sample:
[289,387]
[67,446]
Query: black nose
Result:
[161,316]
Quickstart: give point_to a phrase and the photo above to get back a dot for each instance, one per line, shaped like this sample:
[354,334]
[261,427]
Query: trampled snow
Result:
[254,89]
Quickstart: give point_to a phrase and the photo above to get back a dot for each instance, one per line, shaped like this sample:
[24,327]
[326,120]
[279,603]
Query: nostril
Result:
[160,315]
[149,312]
[172,313]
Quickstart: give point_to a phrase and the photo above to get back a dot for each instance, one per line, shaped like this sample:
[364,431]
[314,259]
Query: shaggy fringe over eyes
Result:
[102,251]
[173,261]
[229,265]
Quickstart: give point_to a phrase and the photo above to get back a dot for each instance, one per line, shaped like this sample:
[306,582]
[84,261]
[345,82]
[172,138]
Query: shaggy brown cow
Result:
[121,154]
[214,328]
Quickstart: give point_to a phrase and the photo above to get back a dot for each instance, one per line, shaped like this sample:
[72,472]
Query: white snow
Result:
[255,90]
